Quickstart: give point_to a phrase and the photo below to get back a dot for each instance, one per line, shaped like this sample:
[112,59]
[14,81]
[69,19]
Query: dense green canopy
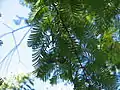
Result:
[77,41]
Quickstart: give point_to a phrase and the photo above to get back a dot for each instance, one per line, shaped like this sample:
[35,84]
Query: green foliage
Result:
[73,40]
[15,82]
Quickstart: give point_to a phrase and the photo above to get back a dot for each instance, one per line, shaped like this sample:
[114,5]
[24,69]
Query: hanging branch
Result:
[84,69]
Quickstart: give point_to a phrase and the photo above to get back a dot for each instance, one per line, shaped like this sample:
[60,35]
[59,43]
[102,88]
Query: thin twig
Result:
[14,40]
[10,59]
[15,47]
[14,31]
[15,44]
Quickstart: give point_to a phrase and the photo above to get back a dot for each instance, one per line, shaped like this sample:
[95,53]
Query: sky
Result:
[9,10]
[21,61]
